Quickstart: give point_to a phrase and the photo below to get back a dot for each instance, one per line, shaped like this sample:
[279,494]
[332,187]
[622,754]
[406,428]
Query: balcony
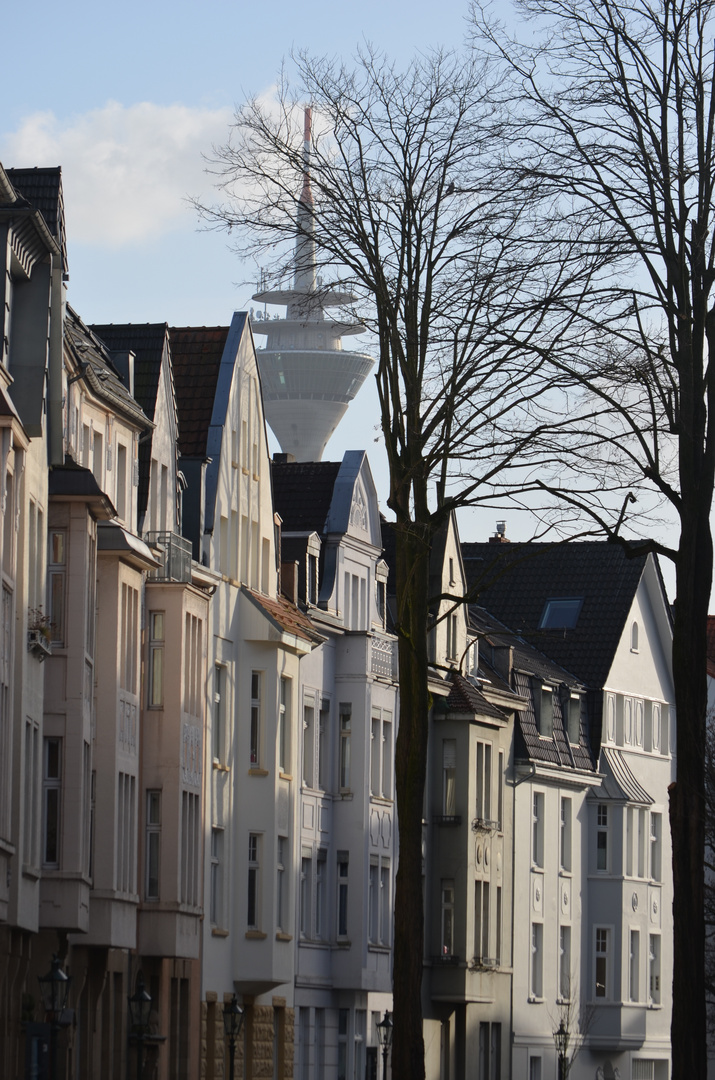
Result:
[484,825]
[175,556]
[484,963]
[383,657]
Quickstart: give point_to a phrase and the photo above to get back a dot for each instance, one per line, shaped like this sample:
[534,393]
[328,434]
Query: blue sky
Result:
[127,98]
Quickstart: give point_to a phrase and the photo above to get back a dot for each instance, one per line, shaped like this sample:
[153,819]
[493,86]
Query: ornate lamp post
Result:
[561,1038]
[139,1010]
[232,1022]
[384,1034]
[54,988]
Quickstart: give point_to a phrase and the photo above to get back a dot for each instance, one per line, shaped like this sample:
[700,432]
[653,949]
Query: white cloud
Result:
[126,170]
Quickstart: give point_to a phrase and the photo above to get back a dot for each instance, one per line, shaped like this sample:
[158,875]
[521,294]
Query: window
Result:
[452,648]
[254,870]
[255,718]
[500,793]
[560,613]
[121,481]
[128,639]
[639,723]
[306,874]
[628,721]
[642,827]
[342,894]
[323,719]
[97,462]
[281,907]
[56,574]
[534,1068]
[449,777]
[343,1016]
[308,740]
[153,840]
[565,847]
[498,925]
[545,718]
[193,661]
[484,781]
[602,837]
[565,963]
[385,908]
[447,948]
[481,920]
[574,721]
[31,773]
[654,969]
[51,801]
[156,659]
[283,725]
[218,734]
[216,905]
[320,869]
[489,1051]
[312,579]
[345,731]
[537,960]
[656,826]
[603,936]
[190,822]
[634,966]
[634,637]
[373,901]
[629,841]
[125,861]
[537,829]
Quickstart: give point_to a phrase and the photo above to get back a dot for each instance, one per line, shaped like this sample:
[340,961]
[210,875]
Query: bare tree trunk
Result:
[412,552]
[687,795]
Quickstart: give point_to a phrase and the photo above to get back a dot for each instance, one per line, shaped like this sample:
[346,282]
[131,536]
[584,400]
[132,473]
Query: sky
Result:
[129,99]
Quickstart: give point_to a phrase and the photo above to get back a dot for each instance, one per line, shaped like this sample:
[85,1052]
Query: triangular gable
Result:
[354,509]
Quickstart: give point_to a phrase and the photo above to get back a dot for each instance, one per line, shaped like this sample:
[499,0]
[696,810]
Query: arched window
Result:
[634,637]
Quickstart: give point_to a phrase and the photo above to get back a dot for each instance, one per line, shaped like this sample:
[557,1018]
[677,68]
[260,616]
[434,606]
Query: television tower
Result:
[308,379]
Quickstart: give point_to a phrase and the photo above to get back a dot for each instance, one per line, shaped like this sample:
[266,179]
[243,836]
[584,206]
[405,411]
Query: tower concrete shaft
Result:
[308,379]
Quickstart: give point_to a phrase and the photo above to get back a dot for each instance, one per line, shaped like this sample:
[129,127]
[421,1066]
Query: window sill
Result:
[257,772]
[216,931]
[343,943]
[31,872]
[535,1000]
[375,947]
[285,775]
[220,767]
[281,936]
[255,935]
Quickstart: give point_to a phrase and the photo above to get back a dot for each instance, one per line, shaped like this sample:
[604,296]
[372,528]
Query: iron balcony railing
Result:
[175,555]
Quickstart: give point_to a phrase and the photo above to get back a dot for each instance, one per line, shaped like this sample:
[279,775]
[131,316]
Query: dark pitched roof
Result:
[516,580]
[465,697]
[43,190]
[303,492]
[196,357]
[148,341]
[92,357]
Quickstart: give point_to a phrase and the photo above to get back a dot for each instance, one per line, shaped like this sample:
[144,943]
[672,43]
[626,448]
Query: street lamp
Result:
[232,1021]
[139,1010]
[561,1038]
[384,1034]
[54,988]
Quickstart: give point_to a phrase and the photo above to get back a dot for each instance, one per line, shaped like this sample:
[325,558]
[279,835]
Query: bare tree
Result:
[410,216]
[616,124]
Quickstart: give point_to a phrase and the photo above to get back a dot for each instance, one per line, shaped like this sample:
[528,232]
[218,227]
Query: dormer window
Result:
[561,613]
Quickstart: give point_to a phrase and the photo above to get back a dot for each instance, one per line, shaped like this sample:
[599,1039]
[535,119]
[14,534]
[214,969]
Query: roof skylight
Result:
[561,613]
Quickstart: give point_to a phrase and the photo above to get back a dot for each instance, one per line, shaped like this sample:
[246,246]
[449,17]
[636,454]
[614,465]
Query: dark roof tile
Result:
[303,492]
[196,357]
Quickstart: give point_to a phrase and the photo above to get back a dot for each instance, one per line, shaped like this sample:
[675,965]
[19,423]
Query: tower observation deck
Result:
[308,379]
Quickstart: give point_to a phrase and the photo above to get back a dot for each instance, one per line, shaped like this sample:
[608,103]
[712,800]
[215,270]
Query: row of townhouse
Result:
[198,718]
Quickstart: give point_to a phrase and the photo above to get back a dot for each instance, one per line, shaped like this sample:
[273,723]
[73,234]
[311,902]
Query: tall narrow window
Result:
[642,826]
[308,741]
[449,777]
[602,837]
[255,718]
[345,732]
[306,873]
[601,961]
[373,900]
[342,894]
[323,720]
[500,792]
[447,917]
[634,965]
[51,801]
[565,963]
[546,712]
[385,909]
[565,834]
[156,659]
[484,780]
[283,725]
[281,908]
[654,969]
[498,926]
[320,886]
[537,829]
[254,869]
[629,841]
[537,960]
[56,582]
[121,481]
[153,841]
[218,734]
[216,900]
[655,846]
[481,920]
[574,718]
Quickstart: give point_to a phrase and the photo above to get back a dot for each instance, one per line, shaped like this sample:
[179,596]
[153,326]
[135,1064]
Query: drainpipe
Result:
[57,312]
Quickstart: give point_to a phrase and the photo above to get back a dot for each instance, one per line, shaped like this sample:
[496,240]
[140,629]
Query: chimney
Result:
[289,581]
[500,535]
